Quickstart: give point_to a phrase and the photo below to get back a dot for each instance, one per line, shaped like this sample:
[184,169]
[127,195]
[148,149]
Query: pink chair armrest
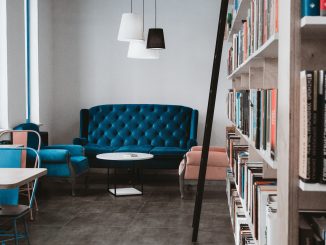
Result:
[212,148]
[218,159]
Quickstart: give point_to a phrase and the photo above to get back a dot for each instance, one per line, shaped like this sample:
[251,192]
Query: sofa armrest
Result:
[54,156]
[74,150]
[80,141]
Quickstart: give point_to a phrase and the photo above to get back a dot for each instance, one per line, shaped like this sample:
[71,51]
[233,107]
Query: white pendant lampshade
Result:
[138,50]
[131,27]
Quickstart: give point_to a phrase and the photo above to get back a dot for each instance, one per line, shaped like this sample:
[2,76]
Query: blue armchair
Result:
[64,161]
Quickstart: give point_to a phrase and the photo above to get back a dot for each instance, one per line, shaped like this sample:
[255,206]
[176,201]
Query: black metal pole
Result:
[209,118]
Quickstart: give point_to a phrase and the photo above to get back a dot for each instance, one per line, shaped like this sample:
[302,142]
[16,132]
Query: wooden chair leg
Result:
[181,183]
[29,199]
[86,181]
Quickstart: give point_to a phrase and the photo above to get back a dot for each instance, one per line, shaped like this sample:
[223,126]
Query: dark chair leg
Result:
[73,186]
[86,181]
[26,231]
[16,232]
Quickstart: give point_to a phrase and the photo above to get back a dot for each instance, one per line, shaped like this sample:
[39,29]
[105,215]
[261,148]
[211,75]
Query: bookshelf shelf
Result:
[268,50]
[314,187]
[313,26]
[263,154]
[237,20]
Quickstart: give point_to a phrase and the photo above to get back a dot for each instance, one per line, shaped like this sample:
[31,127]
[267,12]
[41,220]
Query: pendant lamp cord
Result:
[143,16]
[155,13]
[131,6]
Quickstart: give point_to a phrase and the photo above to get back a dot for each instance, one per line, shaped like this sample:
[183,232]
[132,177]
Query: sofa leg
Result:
[181,184]
[73,186]
[86,181]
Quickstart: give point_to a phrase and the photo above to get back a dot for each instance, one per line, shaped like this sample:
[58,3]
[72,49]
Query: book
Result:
[310,8]
[322,126]
[322,7]
[307,145]
[273,128]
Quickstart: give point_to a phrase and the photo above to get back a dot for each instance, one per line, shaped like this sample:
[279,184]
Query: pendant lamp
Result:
[137,48]
[131,27]
[155,39]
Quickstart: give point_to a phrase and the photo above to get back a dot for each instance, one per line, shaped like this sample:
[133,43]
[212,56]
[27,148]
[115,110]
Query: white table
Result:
[15,177]
[121,160]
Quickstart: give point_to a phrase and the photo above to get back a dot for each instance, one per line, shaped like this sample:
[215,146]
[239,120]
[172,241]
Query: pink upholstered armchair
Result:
[216,165]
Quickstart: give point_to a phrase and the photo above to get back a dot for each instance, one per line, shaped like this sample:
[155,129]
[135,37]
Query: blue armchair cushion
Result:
[61,169]
[74,150]
[135,148]
[164,151]
[54,156]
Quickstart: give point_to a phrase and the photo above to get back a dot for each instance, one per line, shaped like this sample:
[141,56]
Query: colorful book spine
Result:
[322,7]
[310,8]
[273,123]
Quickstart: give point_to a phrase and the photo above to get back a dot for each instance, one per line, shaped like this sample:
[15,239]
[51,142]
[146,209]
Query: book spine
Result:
[322,7]
[276,15]
[310,8]
[323,76]
[273,123]
[314,128]
[305,121]
[257,141]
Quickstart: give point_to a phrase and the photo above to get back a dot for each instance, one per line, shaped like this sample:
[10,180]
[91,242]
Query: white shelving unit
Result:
[268,50]
[263,154]
[312,187]
[313,26]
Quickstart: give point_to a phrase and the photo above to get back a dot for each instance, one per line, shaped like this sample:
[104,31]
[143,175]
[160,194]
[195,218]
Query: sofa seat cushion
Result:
[92,150]
[167,151]
[135,148]
[80,164]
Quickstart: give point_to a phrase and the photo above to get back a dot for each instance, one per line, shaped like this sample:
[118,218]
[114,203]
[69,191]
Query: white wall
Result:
[90,66]
[16,62]
[45,47]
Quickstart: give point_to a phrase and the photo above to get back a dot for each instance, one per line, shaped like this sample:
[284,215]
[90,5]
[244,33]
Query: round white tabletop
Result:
[124,156]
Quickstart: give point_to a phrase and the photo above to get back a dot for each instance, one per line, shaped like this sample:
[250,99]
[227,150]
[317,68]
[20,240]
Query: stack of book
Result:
[251,188]
[261,23]
[313,8]
[242,232]
[256,223]
[312,228]
[312,136]
[254,112]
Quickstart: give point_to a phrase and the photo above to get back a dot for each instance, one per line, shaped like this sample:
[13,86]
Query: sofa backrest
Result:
[139,124]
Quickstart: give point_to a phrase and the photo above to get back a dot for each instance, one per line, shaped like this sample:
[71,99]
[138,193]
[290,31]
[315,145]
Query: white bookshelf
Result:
[267,50]
[237,20]
[312,187]
[313,26]
[265,156]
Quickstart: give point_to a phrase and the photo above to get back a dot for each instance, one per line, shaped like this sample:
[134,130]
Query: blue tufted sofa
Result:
[166,131]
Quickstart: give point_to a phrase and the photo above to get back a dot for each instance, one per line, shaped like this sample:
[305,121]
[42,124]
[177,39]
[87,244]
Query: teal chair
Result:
[10,210]
[61,161]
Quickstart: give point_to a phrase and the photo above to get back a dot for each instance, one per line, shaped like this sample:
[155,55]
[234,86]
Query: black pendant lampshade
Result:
[155,39]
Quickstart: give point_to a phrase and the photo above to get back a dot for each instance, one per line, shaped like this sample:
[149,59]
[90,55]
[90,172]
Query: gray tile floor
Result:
[157,217]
